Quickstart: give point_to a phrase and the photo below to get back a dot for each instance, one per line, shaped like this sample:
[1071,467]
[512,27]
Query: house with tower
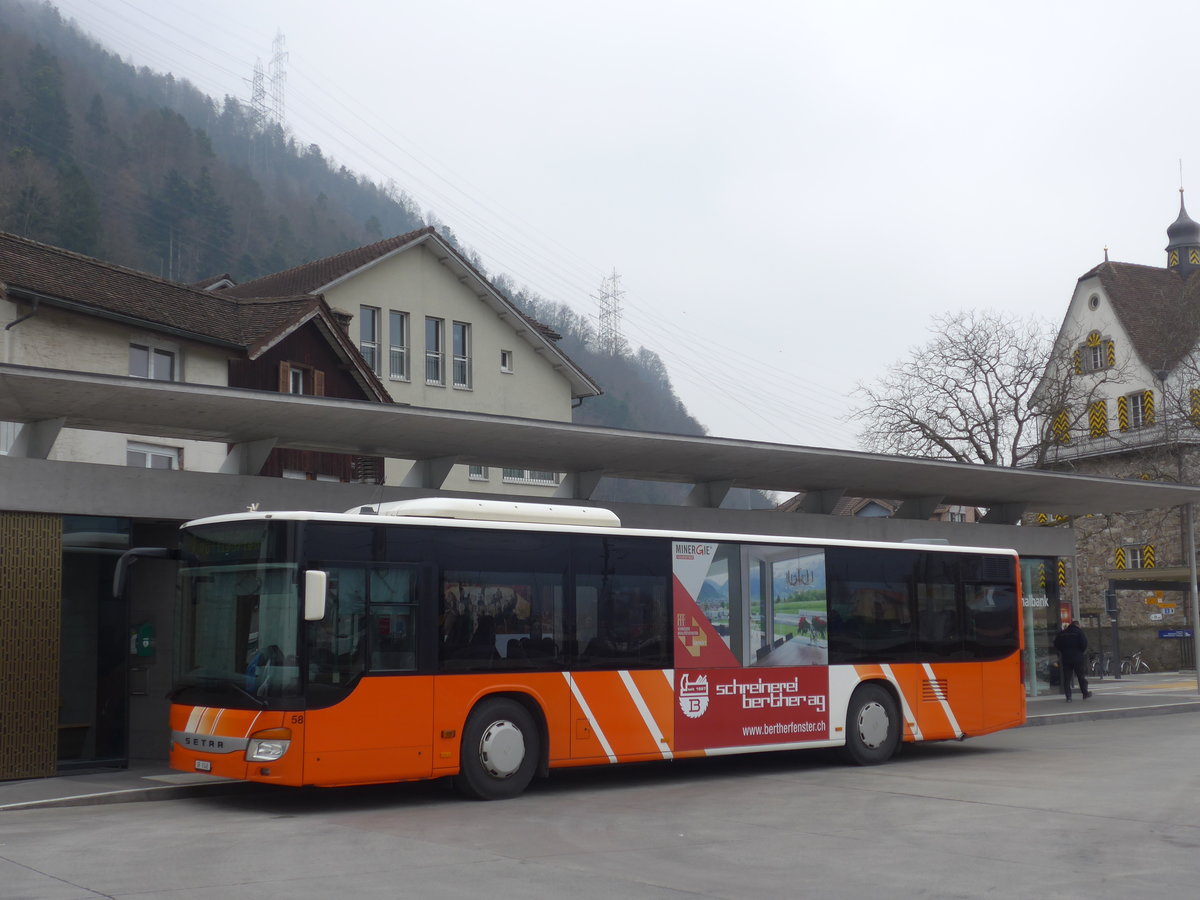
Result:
[1121,397]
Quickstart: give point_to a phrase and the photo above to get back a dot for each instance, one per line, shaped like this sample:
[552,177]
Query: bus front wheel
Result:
[872,726]
[499,750]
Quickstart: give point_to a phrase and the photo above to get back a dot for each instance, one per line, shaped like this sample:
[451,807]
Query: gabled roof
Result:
[321,275]
[1157,307]
[34,272]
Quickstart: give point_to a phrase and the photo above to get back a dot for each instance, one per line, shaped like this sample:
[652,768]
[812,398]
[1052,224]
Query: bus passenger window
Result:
[991,626]
[393,643]
[938,625]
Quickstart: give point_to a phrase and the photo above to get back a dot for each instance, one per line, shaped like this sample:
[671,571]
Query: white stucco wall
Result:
[58,339]
[415,282]
[1091,310]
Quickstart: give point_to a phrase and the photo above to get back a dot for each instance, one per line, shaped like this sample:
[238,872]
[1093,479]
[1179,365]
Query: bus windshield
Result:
[238,620]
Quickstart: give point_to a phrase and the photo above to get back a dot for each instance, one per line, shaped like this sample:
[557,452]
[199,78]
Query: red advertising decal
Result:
[697,642]
[751,707]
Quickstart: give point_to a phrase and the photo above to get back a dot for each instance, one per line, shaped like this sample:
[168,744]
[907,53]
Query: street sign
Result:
[1175,633]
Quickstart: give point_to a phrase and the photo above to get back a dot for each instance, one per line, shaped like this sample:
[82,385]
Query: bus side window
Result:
[393,644]
[991,620]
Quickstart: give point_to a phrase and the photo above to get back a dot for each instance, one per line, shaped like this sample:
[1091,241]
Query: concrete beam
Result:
[35,440]
[709,493]
[429,473]
[1005,513]
[579,485]
[919,508]
[247,458]
[821,502]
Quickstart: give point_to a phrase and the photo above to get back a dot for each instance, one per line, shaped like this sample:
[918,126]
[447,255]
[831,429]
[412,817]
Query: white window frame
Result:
[506,362]
[435,353]
[1136,403]
[296,380]
[530,476]
[398,357]
[155,351]
[150,452]
[368,336]
[1135,556]
[477,473]
[461,350]
[1095,358]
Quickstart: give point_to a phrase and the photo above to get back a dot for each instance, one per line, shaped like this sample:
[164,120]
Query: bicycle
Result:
[1133,664]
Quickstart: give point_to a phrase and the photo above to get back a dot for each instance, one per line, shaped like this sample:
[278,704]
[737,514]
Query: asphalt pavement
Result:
[1152,694]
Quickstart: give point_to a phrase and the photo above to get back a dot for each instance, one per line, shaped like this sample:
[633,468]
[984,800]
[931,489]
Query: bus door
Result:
[370,712]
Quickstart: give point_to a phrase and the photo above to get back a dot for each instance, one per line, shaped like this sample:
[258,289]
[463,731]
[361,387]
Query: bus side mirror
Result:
[316,583]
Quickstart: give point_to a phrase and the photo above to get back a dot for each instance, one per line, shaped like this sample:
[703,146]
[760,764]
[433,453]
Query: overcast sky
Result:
[788,190]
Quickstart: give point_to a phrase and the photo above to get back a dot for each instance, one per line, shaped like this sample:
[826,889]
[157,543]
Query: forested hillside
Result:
[141,169]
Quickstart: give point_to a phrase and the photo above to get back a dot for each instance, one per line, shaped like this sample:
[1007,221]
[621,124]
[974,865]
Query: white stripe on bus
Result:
[587,711]
[941,695]
[907,710]
[651,724]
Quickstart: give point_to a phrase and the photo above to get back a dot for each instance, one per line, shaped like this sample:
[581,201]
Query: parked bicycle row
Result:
[1102,664]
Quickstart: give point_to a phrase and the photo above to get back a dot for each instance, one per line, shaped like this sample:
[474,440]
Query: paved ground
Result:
[1158,693]
[1102,809]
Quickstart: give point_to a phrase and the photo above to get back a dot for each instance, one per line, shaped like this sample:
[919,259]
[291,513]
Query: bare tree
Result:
[988,388]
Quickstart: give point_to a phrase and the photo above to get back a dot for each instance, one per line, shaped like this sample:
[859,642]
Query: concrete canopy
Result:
[237,416]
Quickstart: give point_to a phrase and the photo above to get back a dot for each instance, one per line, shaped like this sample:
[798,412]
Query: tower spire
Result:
[1183,240]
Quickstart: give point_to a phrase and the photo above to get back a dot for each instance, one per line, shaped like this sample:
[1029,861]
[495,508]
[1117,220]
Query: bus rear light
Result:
[268,745]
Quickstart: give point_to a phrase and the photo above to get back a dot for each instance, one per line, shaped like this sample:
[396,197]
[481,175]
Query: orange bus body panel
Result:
[621,716]
[382,732]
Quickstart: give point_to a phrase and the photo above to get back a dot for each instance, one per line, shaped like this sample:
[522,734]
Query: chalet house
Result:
[66,311]
[439,335]
[1131,340]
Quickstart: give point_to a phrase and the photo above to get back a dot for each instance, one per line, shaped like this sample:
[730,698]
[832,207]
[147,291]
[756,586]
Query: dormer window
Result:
[1095,354]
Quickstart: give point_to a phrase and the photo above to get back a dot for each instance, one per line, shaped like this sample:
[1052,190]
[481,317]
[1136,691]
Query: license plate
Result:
[203,765]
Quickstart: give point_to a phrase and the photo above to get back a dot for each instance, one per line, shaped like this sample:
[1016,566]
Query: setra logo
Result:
[693,695]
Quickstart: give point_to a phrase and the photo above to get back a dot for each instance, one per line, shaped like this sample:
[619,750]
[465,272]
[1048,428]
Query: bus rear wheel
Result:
[872,726]
[499,750]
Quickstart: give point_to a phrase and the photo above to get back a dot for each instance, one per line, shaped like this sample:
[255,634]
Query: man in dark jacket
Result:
[1071,644]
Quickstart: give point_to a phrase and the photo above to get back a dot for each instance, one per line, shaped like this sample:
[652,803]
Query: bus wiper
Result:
[221,683]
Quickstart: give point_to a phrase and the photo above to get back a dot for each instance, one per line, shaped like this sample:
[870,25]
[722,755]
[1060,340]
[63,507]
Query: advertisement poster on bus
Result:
[751,707]
[702,606]
[749,605]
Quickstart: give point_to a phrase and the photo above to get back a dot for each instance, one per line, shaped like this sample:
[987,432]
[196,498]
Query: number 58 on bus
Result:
[491,642]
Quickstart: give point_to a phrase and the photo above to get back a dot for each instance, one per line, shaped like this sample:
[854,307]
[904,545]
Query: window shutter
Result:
[1119,558]
[318,383]
[1148,556]
[1078,359]
[285,378]
[1148,407]
[1110,353]
[1098,418]
[1061,429]
[1123,413]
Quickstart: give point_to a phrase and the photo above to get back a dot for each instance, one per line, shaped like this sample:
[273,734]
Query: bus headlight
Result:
[269,745]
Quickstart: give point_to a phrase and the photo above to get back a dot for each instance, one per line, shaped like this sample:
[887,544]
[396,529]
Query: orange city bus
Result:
[491,641]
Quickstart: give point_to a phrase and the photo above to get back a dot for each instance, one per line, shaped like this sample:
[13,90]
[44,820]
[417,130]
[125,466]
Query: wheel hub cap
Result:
[502,749]
[873,725]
